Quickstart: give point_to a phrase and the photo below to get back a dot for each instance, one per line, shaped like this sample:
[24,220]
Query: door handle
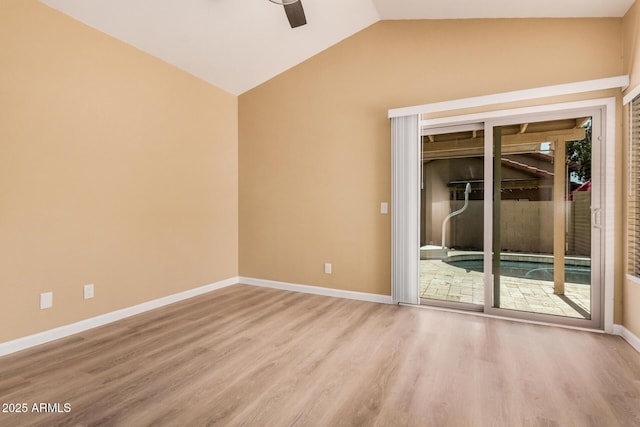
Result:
[595,217]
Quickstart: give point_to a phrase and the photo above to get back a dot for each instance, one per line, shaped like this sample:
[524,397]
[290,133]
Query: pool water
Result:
[530,270]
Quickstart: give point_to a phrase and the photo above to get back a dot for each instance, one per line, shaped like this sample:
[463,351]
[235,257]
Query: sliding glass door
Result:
[543,205]
[451,216]
[510,217]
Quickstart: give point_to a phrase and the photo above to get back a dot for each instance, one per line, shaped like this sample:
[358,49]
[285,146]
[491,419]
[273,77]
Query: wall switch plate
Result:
[327,268]
[46,300]
[384,208]
[88,291]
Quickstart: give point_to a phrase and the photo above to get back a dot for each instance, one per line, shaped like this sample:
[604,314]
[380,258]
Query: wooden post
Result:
[559,220]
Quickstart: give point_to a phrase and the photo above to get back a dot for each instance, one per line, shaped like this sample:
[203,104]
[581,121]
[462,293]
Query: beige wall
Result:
[631,25]
[314,142]
[631,44]
[115,169]
[120,170]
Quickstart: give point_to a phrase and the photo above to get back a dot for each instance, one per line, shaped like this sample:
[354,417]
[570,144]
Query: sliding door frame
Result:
[606,107]
[598,204]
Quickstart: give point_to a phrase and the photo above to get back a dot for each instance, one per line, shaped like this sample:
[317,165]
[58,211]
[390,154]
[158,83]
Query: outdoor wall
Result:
[115,169]
[314,142]
[579,230]
[466,231]
[631,289]
[524,226]
[436,203]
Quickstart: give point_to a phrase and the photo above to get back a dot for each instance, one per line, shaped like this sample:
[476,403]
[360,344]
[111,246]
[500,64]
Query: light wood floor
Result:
[247,356]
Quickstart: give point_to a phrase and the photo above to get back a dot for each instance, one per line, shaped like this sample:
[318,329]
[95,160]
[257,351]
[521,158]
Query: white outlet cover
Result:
[384,208]
[327,268]
[88,291]
[46,300]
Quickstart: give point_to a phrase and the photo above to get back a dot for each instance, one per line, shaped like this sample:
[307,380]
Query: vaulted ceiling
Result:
[239,44]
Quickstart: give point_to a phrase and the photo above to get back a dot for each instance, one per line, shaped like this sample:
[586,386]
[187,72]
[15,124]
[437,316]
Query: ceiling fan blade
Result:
[295,14]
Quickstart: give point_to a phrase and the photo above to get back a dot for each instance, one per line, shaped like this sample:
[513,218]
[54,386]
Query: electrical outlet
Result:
[88,291]
[384,208]
[327,268]
[46,300]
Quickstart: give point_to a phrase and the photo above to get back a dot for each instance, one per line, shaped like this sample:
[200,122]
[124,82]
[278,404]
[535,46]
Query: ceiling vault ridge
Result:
[257,41]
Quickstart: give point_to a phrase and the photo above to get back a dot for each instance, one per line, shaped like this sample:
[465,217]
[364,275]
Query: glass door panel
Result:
[542,217]
[451,218]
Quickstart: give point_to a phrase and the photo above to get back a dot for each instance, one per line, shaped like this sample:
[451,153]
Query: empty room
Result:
[319,213]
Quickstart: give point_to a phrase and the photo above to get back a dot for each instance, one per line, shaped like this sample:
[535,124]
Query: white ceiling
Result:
[464,9]
[239,44]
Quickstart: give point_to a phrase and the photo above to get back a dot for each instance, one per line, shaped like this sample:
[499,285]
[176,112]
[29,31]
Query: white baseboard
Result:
[628,336]
[74,328]
[317,290]
[103,319]
[94,322]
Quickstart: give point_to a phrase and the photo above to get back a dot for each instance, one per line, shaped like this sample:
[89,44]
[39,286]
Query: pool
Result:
[528,269]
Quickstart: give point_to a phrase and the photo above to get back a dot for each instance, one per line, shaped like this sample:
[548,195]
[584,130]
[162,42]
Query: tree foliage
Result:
[580,152]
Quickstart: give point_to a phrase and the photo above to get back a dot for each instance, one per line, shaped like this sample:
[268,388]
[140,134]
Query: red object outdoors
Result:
[584,187]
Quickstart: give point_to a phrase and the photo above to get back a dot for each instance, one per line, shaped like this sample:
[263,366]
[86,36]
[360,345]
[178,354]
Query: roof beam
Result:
[511,144]
[581,122]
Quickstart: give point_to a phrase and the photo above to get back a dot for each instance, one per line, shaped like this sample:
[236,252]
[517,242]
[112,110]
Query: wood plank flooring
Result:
[248,356]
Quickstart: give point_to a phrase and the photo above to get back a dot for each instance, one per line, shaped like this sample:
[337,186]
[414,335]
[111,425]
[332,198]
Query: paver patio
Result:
[441,281]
